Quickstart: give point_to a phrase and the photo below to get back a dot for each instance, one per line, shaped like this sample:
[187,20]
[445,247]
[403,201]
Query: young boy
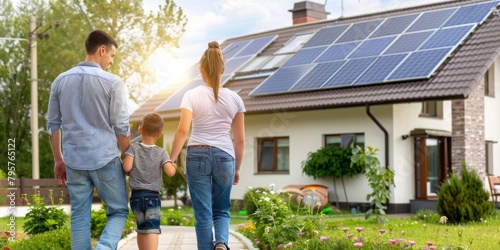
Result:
[144,162]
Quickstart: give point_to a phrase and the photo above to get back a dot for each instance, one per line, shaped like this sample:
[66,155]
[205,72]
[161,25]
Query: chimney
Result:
[306,12]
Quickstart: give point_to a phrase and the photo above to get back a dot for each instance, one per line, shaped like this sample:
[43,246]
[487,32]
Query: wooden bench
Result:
[494,187]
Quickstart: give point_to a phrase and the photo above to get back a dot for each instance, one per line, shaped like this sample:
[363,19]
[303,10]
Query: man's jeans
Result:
[109,182]
[210,174]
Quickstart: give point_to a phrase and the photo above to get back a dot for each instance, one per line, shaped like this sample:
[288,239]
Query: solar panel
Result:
[326,36]
[337,52]
[398,48]
[359,31]
[372,47]
[234,64]
[394,25]
[282,80]
[349,72]
[317,76]
[233,48]
[431,20]
[447,37]
[305,56]
[420,64]
[174,101]
[256,46]
[474,13]
[380,69]
[408,42]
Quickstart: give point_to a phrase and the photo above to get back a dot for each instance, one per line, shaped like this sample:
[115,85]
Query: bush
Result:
[426,216]
[249,201]
[58,239]
[41,218]
[174,218]
[98,221]
[465,199]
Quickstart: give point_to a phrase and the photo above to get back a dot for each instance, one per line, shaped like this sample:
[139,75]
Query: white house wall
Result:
[406,119]
[492,117]
[306,129]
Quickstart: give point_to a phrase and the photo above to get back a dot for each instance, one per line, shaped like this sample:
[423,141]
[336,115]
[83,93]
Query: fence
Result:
[11,191]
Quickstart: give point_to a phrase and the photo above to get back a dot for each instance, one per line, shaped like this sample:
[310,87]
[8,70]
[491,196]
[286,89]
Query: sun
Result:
[168,68]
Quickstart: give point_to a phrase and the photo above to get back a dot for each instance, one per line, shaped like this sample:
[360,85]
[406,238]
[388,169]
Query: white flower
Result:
[267,199]
[267,229]
[271,192]
[443,219]
[250,188]
[280,191]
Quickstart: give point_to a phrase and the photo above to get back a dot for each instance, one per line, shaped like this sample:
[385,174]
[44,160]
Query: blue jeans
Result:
[210,174]
[109,182]
[146,205]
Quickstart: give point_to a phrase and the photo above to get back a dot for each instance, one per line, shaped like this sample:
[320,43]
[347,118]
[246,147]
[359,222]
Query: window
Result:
[273,155]
[344,140]
[489,86]
[280,57]
[432,164]
[489,157]
[432,109]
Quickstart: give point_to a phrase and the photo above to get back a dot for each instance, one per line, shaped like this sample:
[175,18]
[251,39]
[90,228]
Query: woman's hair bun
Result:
[213,45]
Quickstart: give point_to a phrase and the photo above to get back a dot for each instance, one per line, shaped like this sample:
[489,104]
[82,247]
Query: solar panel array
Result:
[236,55]
[394,49]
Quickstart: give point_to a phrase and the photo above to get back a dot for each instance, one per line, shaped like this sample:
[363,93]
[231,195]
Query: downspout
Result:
[386,135]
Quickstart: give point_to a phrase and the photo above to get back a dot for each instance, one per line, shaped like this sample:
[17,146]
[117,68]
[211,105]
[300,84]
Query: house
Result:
[420,84]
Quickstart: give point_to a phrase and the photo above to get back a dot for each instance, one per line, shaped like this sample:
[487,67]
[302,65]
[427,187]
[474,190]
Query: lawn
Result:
[422,230]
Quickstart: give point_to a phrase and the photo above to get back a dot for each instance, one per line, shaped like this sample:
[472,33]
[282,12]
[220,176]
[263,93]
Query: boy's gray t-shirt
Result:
[148,164]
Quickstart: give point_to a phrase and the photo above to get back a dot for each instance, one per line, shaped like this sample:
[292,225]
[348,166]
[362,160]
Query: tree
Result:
[331,162]
[139,34]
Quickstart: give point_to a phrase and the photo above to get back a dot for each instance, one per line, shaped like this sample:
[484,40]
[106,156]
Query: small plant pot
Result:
[354,208]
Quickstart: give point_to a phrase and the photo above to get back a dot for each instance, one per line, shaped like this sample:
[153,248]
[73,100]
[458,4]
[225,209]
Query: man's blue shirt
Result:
[89,105]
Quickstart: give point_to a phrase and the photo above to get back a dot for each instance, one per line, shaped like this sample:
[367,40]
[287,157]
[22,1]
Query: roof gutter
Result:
[386,135]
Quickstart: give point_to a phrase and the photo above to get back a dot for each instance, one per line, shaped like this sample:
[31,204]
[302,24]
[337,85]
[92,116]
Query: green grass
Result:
[477,235]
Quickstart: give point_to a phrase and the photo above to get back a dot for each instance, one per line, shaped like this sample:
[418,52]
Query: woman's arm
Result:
[238,127]
[181,133]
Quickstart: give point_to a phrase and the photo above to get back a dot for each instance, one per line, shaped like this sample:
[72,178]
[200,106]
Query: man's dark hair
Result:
[97,38]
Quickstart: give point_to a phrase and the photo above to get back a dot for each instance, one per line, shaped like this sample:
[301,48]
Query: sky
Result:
[219,20]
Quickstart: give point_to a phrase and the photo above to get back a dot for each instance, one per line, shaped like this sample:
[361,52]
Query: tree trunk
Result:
[335,193]
[345,192]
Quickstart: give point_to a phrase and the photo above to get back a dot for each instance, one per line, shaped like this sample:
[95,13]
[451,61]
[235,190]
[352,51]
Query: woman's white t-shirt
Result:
[212,120]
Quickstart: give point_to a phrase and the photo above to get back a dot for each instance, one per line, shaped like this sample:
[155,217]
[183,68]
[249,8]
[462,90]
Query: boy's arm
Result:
[127,163]
[169,169]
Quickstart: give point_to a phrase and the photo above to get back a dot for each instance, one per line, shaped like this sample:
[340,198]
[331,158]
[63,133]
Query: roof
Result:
[456,78]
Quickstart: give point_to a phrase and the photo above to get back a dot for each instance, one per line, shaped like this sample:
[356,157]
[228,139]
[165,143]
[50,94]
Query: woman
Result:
[212,161]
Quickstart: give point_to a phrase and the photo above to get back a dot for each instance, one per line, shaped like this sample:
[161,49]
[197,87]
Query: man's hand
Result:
[60,172]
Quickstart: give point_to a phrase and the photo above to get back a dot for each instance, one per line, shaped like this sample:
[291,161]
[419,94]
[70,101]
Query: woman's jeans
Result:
[210,174]
[109,182]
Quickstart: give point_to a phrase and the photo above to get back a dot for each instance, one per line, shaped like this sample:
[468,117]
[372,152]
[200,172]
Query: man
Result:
[87,106]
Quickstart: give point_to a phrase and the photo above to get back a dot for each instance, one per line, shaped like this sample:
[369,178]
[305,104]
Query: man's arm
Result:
[123,143]
[59,164]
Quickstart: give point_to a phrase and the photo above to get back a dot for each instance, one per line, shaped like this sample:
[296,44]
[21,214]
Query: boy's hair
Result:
[97,38]
[152,124]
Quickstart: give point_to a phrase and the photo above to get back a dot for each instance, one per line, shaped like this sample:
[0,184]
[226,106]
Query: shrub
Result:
[249,196]
[426,216]
[174,217]
[98,221]
[465,199]
[380,179]
[58,239]
[42,218]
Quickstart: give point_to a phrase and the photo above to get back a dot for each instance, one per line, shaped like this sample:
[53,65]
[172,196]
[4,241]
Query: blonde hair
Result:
[212,62]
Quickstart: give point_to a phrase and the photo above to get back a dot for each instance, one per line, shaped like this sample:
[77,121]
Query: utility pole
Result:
[34,25]
[34,99]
